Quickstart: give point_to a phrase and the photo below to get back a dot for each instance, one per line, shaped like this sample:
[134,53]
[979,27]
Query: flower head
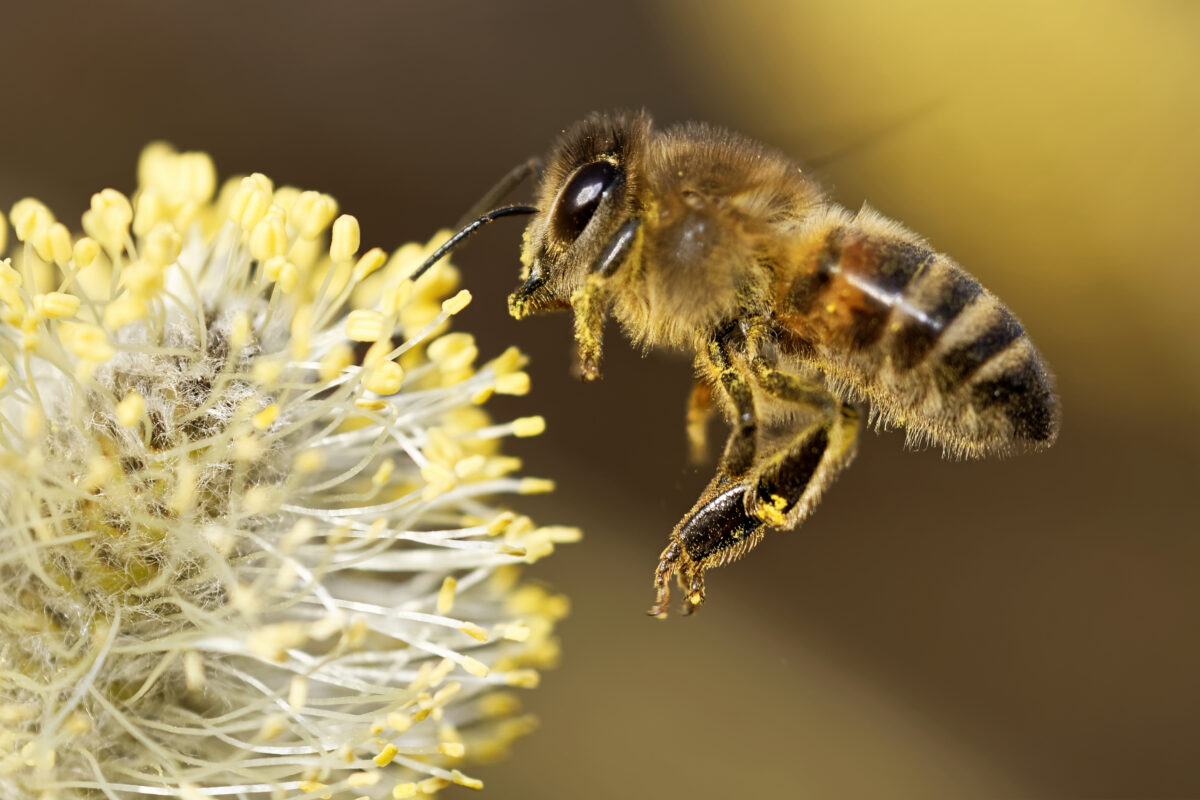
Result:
[246,542]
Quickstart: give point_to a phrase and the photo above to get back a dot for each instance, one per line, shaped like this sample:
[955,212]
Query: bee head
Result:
[589,190]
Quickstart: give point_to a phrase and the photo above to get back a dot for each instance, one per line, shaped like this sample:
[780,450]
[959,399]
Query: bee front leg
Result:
[591,301]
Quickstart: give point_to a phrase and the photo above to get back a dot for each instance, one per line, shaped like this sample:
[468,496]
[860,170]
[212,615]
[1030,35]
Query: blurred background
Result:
[1025,627]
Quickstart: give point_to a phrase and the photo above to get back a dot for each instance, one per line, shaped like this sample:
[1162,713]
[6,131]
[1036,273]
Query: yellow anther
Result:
[125,309]
[298,692]
[178,178]
[312,787]
[384,473]
[185,487]
[510,360]
[454,351]
[343,242]
[267,371]
[3,375]
[28,217]
[476,632]
[193,670]
[475,667]
[514,383]
[53,243]
[524,678]
[263,419]
[433,785]
[3,235]
[285,197]
[384,378]
[334,362]
[273,641]
[386,755]
[143,279]
[149,210]
[396,297]
[457,303]
[360,780]
[308,461]
[240,331]
[85,252]
[528,426]
[403,790]
[283,272]
[131,409]
[445,598]
[269,237]
[162,246]
[370,261]
[107,221]
[452,749]
[465,780]
[56,305]
[536,485]
[312,212]
[364,325]
[438,480]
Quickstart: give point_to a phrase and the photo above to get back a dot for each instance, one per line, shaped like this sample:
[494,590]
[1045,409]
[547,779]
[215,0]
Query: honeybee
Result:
[800,316]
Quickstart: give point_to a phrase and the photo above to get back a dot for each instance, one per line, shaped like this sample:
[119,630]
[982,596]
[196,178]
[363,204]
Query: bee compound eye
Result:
[582,195]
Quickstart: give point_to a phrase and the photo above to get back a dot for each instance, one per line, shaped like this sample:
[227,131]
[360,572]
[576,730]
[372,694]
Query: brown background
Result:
[1025,627]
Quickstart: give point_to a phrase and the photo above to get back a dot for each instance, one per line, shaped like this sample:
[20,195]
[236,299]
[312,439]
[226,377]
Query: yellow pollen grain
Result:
[514,383]
[386,755]
[56,305]
[457,303]
[85,252]
[131,409]
[445,598]
[384,378]
[344,240]
[452,749]
[364,325]
[528,426]
[263,419]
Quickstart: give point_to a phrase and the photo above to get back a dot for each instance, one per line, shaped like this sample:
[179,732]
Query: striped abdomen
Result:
[894,322]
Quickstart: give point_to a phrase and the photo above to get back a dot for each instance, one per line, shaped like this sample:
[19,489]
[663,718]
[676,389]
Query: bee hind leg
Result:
[733,514]
[718,529]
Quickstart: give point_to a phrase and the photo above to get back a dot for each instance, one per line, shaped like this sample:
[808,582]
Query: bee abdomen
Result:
[905,327]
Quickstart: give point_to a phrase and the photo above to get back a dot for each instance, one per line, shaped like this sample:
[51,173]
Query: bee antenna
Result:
[467,230]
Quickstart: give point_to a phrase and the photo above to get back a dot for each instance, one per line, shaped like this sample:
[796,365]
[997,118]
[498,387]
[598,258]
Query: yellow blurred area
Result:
[1050,147]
